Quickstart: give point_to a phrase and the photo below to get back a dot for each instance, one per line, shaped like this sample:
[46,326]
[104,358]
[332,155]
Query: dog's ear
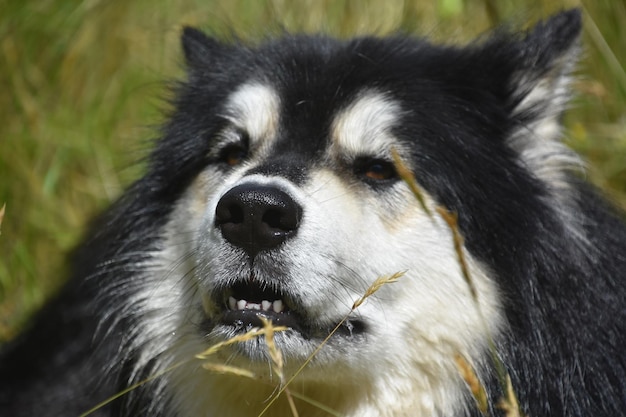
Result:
[538,75]
[201,50]
[546,56]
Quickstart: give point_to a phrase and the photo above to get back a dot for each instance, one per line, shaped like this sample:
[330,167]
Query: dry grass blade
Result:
[131,388]
[238,339]
[478,390]
[277,361]
[227,369]
[275,354]
[224,369]
[468,374]
[2,210]
[306,362]
[317,404]
[510,404]
[376,285]
[407,176]
[605,49]
[452,220]
[292,404]
[268,329]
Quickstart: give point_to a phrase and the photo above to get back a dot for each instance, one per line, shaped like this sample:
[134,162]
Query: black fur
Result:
[562,280]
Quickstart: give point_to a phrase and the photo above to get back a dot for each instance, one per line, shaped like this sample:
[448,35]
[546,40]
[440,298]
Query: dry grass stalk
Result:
[275,354]
[510,403]
[478,390]
[238,339]
[452,221]
[316,404]
[376,285]
[131,388]
[2,210]
[407,176]
[224,369]
[227,369]
[277,361]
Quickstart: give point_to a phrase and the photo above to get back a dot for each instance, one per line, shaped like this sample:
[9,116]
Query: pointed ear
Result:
[539,93]
[548,54]
[199,49]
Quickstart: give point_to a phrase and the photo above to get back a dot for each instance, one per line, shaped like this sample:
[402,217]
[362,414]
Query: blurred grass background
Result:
[82,85]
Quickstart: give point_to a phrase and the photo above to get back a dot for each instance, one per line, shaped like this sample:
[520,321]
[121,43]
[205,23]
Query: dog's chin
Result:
[295,343]
[247,305]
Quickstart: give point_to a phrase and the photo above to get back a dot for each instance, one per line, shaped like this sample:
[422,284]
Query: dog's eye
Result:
[233,154]
[375,169]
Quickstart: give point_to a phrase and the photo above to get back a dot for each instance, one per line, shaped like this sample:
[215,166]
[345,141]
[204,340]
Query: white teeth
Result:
[265,305]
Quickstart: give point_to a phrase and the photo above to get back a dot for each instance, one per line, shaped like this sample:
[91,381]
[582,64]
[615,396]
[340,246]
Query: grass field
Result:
[83,86]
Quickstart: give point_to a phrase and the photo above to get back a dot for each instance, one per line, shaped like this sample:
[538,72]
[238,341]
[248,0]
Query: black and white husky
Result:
[273,194]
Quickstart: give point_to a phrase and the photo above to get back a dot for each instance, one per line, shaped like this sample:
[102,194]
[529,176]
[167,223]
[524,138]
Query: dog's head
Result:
[287,204]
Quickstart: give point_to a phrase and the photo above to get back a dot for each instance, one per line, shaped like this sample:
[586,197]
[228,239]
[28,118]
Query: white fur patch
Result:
[363,128]
[539,142]
[254,108]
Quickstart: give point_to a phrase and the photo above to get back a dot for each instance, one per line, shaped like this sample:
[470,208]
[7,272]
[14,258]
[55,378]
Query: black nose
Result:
[257,217]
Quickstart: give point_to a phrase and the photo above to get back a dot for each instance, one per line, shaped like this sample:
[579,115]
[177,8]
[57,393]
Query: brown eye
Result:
[376,169]
[233,154]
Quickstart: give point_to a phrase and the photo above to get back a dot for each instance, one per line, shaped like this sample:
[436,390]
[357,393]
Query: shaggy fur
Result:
[272,193]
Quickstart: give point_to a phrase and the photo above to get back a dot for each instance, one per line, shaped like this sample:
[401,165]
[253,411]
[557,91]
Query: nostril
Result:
[257,217]
[273,219]
[280,219]
[229,214]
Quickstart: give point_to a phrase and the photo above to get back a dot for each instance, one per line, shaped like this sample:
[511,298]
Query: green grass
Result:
[82,83]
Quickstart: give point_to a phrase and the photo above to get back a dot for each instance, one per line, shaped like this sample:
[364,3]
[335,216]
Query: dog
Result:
[249,271]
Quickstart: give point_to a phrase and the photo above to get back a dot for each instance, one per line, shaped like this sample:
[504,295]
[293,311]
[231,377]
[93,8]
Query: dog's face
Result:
[294,225]
[287,206]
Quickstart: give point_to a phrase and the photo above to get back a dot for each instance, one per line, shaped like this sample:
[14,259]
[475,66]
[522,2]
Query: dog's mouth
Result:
[243,305]
[247,302]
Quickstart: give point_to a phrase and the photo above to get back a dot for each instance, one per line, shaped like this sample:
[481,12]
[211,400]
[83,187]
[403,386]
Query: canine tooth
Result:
[241,305]
[232,303]
[265,305]
[278,306]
